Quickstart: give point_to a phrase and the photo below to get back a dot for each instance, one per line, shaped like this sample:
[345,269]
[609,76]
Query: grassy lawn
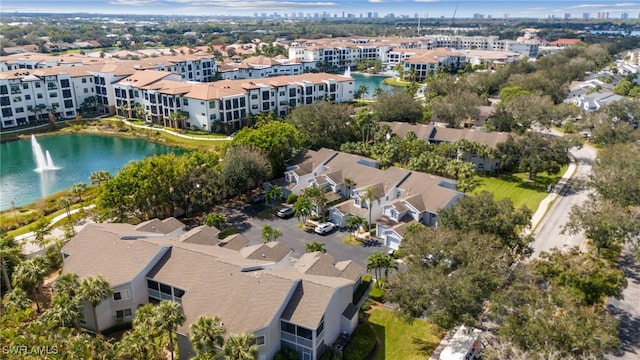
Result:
[401,340]
[393,81]
[350,240]
[265,214]
[518,188]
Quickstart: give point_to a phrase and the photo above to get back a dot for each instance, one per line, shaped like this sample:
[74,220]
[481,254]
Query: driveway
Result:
[244,218]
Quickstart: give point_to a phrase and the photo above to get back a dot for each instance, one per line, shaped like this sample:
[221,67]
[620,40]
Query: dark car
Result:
[257,198]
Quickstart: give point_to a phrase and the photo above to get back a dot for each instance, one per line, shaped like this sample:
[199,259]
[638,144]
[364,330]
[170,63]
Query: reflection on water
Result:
[47,182]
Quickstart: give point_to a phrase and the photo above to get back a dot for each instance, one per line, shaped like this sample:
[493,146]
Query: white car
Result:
[285,212]
[325,228]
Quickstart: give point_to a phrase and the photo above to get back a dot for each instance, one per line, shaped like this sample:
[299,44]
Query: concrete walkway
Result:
[31,249]
[148,127]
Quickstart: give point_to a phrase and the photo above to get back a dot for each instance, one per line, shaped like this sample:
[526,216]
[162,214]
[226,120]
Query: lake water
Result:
[371,82]
[76,156]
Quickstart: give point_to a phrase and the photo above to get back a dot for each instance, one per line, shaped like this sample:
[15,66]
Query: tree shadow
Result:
[628,331]
[381,342]
[426,348]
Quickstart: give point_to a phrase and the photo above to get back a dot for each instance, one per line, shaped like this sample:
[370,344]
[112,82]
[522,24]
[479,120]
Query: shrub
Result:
[226,232]
[366,306]
[292,199]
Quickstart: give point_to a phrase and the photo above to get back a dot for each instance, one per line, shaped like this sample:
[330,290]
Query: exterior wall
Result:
[333,324]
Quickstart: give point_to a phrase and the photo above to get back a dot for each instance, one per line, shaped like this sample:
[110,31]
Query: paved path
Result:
[547,222]
[29,248]
[175,133]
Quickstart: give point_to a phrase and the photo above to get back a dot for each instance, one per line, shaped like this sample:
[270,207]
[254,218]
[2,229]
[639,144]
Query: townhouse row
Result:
[303,304]
[29,95]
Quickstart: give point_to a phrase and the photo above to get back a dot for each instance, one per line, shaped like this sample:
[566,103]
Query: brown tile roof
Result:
[260,60]
[348,207]
[272,251]
[157,226]
[245,301]
[491,139]
[234,242]
[98,250]
[308,304]
[144,78]
[203,235]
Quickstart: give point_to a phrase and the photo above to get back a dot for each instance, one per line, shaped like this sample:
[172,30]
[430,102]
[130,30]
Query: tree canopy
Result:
[323,124]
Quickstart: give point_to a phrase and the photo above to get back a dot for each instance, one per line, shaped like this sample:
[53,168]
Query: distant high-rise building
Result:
[375,15]
[624,16]
[369,15]
[255,14]
[300,14]
[478,16]
[586,16]
[567,16]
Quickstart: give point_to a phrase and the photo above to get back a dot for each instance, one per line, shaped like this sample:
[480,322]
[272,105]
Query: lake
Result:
[75,155]
[371,82]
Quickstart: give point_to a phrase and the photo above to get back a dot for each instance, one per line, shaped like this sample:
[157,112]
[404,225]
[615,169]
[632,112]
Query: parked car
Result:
[285,212]
[325,228]
[257,198]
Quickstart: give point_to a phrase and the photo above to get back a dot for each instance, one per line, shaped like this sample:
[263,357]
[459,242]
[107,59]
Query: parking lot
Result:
[244,217]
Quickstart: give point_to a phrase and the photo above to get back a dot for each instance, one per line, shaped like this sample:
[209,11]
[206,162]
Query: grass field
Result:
[518,188]
[393,81]
[400,340]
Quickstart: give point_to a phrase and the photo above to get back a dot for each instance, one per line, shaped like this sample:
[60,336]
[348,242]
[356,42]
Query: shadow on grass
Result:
[426,348]
[379,353]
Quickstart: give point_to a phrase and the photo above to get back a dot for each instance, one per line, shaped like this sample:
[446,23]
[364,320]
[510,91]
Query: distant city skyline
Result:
[336,8]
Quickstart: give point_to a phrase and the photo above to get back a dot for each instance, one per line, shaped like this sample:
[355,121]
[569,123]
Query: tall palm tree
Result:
[137,344]
[29,275]
[66,285]
[99,177]
[240,347]
[10,256]
[65,312]
[79,188]
[177,119]
[170,316]
[65,203]
[354,223]
[379,261]
[273,196]
[370,195]
[207,336]
[302,208]
[41,229]
[18,299]
[94,290]
[316,195]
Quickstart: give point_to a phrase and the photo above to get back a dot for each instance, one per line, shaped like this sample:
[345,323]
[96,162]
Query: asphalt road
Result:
[244,218]
[548,234]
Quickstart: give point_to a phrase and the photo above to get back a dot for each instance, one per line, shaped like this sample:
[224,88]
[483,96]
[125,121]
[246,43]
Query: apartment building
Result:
[261,67]
[302,304]
[214,106]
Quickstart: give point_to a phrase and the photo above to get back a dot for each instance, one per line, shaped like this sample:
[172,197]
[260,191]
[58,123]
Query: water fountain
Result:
[43,159]
[347,72]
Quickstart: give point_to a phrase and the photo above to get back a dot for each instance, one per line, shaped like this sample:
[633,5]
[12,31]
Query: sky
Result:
[424,8]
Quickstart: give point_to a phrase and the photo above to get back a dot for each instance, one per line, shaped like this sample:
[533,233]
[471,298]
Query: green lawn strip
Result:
[362,343]
[349,240]
[401,340]
[518,188]
[393,81]
[265,214]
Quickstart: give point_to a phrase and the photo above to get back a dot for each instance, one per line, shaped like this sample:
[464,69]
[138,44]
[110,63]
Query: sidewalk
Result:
[175,133]
[29,248]
[540,213]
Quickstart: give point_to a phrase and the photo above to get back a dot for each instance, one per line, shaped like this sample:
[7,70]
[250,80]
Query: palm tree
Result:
[240,347]
[362,90]
[170,316]
[98,177]
[29,275]
[66,285]
[10,256]
[177,119]
[78,189]
[65,312]
[18,299]
[137,345]
[65,203]
[270,233]
[371,194]
[316,195]
[207,336]
[217,220]
[354,223]
[41,229]
[365,122]
[85,346]
[378,91]
[94,290]
[38,110]
[302,208]
[273,196]
[349,184]
[315,246]
[379,261]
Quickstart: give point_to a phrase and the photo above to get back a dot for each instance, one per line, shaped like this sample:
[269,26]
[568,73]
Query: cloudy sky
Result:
[432,8]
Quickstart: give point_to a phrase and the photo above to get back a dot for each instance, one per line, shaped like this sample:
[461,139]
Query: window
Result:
[260,340]
[121,314]
[212,116]
[212,104]
[86,91]
[25,86]
[185,102]
[121,295]
[53,94]
[7,112]
[66,94]
[4,90]
[19,110]
[84,80]
[39,96]
[38,85]
[52,85]
[64,83]
[4,101]
[68,104]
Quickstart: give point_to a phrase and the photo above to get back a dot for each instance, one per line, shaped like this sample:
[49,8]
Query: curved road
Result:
[548,234]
